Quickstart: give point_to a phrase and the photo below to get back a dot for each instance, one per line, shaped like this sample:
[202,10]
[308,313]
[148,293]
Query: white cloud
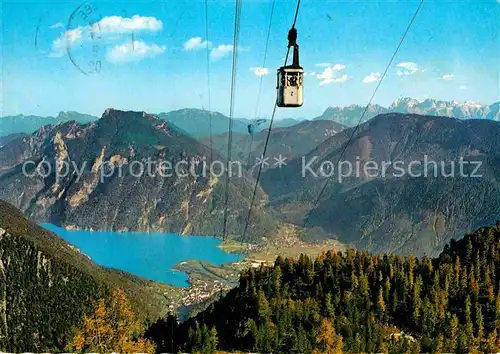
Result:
[260,71]
[373,77]
[135,51]
[323,65]
[313,73]
[407,68]
[196,43]
[107,27]
[68,39]
[220,51]
[329,75]
[462,87]
[118,24]
[448,77]
[57,25]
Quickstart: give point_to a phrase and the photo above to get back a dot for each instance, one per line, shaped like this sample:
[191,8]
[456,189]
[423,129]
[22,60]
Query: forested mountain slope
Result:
[47,286]
[356,302]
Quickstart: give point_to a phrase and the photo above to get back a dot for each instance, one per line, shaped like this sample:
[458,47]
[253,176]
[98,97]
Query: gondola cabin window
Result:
[290,90]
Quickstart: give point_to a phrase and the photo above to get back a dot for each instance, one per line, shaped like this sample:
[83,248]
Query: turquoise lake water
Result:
[149,255]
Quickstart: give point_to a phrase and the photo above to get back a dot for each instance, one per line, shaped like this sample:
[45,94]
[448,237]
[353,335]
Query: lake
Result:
[149,255]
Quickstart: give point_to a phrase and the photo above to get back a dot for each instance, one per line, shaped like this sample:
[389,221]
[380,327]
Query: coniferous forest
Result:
[355,302]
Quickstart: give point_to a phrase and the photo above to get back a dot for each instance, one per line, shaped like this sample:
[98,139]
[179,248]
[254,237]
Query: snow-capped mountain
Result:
[350,115]
[461,110]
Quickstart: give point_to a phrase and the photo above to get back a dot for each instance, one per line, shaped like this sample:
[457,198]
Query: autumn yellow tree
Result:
[111,327]
[327,339]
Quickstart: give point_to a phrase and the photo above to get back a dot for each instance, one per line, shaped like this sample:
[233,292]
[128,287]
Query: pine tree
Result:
[456,271]
[363,284]
[452,333]
[387,290]
[438,346]
[469,328]
[492,343]
[210,341]
[277,275]
[395,301]
[416,301]
[479,321]
[411,266]
[497,314]
[329,309]
[380,305]
[263,305]
[354,281]
[469,249]
[327,339]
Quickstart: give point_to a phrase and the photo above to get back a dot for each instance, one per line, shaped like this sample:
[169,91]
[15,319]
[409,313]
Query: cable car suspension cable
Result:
[265,57]
[365,110]
[266,143]
[231,111]
[261,78]
[208,80]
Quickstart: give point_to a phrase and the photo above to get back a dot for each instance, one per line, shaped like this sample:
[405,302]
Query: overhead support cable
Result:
[208,80]
[267,141]
[231,112]
[261,78]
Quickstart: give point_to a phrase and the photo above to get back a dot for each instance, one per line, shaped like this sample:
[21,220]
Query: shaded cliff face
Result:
[4,140]
[393,213]
[125,171]
[47,285]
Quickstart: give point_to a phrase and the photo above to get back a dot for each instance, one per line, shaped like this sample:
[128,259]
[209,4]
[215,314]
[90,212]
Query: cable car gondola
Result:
[290,77]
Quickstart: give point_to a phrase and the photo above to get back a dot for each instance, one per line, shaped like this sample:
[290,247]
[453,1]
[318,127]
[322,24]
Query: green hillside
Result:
[47,285]
[356,302]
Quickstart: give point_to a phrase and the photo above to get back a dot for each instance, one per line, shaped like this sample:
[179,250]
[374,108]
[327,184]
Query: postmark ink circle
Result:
[84,39]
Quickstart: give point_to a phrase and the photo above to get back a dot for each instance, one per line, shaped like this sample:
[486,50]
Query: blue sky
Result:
[152,54]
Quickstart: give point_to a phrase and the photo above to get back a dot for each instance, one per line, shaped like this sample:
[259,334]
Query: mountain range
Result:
[104,188]
[194,122]
[29,124]
[382,214]
[397,212]
[350,115]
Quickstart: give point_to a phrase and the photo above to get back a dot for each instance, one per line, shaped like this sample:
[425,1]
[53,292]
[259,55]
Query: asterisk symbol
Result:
[280,161]
[262,161]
